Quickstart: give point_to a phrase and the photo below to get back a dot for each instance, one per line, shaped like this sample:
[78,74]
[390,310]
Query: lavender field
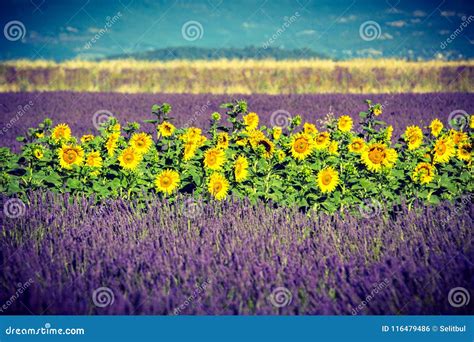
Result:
[71,256]
[67,254]
[400,110]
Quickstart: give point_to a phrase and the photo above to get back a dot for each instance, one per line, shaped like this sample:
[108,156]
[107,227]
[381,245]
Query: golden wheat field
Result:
[239,76]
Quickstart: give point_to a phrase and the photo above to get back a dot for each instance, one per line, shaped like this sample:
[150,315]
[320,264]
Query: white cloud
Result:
[419,13]
[397,23]
[88,56]
[415,21]
[306,33]
[65,38]
[386,36]
[369,52]
[247,25]
[347,19]
[71,29]
[36,37]
[444,32]
[93,30]
[448,13]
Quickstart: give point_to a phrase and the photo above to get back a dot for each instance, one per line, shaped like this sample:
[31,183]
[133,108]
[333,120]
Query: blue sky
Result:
[340,29]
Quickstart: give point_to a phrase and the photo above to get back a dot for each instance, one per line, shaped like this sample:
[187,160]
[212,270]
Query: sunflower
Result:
[301,146]
[443,150]
[334,148]
[167,181]
[374,156]
[40,135]
[345,123]
[70,155]
[471,122]
[266,147]
[93,159]
[251,121]
[223,140]
[322,140]
[38,153]
[61,131]
[86,138]
[377,155]
[391,157]
[192,134]
[192,139]
[389,133]
[357,145]
[241,141]
[130,158]
[277,131]
[465,151]
[254,137]
[436,127]
[241,166]
[216,116]
[328,179]
[377,110]
[111,143]
[310,128]
[281,155]
[141,142]
[218,186]
[116,128]
[190,148]
[423,173]
[166,129]
[214,158]
[458,137]
[413,137]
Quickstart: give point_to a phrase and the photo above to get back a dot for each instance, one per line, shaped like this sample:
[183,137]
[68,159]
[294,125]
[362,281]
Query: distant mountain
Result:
[193,53]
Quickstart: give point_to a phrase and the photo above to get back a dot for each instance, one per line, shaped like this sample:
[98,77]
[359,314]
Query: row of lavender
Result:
[72,257]
[19,111]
